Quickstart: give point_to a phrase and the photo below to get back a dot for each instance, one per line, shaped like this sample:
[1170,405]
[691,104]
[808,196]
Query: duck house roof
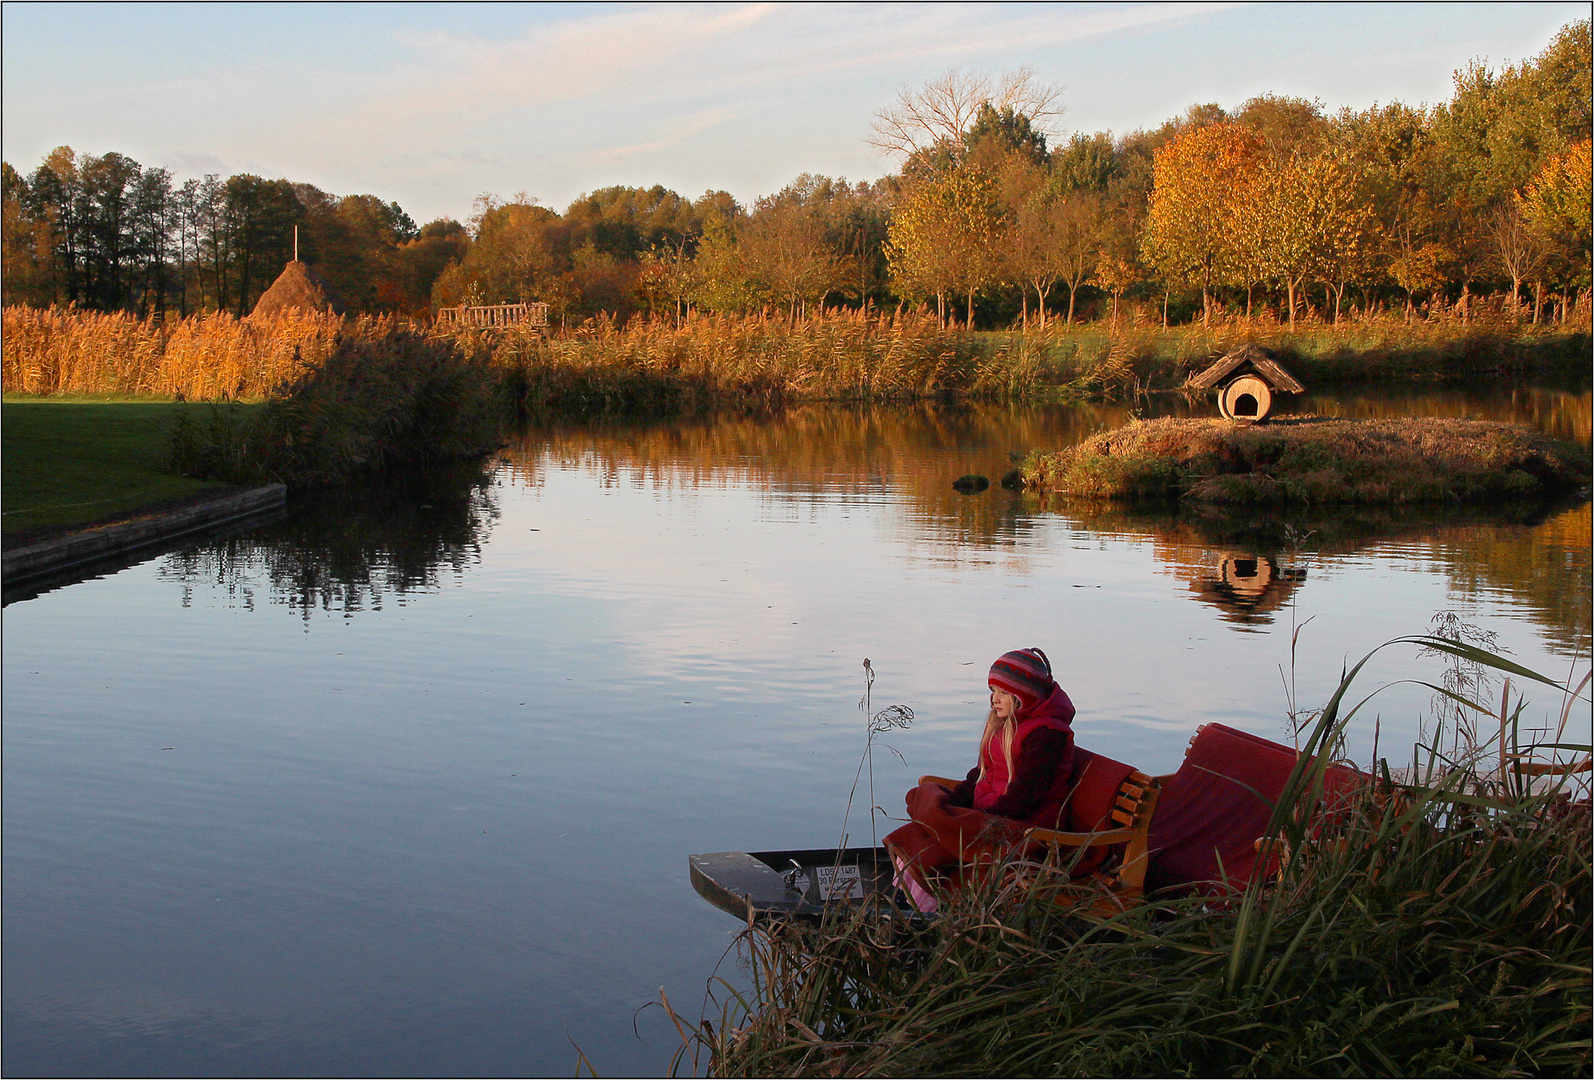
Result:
[1258,360]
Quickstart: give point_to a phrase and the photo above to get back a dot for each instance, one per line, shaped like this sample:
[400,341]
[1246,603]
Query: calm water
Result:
[406,784]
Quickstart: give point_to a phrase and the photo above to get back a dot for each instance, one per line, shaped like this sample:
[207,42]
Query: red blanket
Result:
[942,838]
[1215,808]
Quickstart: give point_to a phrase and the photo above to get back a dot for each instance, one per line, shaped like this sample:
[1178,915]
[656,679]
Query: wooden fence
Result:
[467,317]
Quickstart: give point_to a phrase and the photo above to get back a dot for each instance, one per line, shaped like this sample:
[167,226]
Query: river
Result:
[406,783]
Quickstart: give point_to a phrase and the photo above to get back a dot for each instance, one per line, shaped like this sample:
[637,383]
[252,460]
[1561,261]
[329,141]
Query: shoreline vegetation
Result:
[316,398]
[729,361]
[1441,927]
[1314,460]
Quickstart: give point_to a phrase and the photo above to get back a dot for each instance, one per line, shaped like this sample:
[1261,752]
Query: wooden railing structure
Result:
[466,317]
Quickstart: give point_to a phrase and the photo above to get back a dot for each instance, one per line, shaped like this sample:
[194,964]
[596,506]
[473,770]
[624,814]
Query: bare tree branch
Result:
[940,112]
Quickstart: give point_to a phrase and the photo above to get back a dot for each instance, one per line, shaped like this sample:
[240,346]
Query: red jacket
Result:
[1043,766]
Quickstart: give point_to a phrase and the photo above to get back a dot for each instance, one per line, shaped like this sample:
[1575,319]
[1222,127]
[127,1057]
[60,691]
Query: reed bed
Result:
[1439,927]
[211,357]
[757,362]
[760,361]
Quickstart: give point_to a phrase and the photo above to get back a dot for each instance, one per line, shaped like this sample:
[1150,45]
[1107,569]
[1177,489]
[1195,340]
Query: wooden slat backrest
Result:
[1131,793]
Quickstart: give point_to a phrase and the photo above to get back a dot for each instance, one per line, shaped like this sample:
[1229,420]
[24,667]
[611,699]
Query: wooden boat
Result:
[1201,830]
[801,884]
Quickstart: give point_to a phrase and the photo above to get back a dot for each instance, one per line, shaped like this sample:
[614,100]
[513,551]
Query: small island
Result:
[1314,460]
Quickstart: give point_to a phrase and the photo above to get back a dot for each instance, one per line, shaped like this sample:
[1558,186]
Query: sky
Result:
[431,105]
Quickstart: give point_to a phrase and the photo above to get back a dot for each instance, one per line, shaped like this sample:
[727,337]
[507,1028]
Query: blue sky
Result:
[431,105]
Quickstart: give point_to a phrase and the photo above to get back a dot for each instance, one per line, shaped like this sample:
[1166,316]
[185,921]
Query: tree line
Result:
[1274,205]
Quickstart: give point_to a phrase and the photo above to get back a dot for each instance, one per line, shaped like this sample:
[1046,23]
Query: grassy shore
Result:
[69,462]
[1313,460]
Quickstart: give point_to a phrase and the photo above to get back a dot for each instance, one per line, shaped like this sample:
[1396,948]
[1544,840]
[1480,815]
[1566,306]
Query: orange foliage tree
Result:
[1202,181]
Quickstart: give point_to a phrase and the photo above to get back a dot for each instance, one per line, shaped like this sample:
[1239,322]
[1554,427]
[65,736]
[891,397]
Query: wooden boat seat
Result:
[1103,853]
[1117,878]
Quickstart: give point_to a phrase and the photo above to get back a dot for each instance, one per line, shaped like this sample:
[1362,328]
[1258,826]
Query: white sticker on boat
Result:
[839,882]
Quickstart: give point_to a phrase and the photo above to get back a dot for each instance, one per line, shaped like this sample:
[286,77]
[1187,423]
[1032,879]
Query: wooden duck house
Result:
[1247,378]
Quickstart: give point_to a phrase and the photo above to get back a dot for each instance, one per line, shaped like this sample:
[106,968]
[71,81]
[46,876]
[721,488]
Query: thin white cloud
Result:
[629,61]
[673,135]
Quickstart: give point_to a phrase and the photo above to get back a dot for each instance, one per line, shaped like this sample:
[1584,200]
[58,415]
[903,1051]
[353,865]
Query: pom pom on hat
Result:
[1024,673]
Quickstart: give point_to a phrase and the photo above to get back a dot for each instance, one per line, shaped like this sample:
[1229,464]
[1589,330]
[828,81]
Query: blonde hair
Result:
[1009,729]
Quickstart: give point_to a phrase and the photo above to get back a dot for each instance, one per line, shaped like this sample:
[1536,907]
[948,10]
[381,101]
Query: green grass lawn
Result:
[72,460]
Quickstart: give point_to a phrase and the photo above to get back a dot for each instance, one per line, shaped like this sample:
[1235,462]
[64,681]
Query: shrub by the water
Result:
[396,399]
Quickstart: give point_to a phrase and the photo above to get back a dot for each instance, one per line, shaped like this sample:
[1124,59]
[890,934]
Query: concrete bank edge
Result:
[109,541]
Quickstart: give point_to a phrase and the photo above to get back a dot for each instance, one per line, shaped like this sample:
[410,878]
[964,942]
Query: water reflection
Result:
[1247,587]
[1539,554]
[1246,566]
[351,549]
[1562,413]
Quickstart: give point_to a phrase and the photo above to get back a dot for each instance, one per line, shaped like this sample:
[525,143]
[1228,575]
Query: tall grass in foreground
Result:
[1439,927]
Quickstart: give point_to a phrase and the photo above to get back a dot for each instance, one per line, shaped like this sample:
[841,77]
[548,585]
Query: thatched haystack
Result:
[298,288]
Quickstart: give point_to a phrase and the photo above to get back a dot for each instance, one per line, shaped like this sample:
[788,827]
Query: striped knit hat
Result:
[1026,674]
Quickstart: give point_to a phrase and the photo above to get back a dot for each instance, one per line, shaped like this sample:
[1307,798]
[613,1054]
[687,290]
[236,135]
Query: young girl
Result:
[1022,779]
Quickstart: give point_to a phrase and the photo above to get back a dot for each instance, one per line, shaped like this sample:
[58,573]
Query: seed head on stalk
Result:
[892,716]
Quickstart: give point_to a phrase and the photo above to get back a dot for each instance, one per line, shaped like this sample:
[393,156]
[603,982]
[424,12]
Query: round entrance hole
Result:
[1246,398]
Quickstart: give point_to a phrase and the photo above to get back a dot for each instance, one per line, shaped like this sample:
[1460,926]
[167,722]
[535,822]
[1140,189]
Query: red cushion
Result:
[1213,810]
[1092,790]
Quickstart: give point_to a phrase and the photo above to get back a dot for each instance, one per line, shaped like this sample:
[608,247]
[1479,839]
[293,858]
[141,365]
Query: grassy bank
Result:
[1312,460]
[715,362]
[1441,928]
[71,461]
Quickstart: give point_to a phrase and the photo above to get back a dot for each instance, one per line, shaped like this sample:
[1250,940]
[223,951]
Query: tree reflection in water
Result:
[1536,552]
[353,548]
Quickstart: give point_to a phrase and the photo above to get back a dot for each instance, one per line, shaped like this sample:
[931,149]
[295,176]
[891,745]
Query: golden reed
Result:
[204,357]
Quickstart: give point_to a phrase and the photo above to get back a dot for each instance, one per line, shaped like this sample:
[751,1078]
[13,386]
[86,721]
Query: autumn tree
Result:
[1117,273]
[1520,248]
[1057,237]
[1309,221]
[944,238]
[512,257]
[27,239]
[1287,126]
[791,245]
[1420,270]
[1201,179]
[860,215]
[624,222]
[419,262]
[1557,204]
